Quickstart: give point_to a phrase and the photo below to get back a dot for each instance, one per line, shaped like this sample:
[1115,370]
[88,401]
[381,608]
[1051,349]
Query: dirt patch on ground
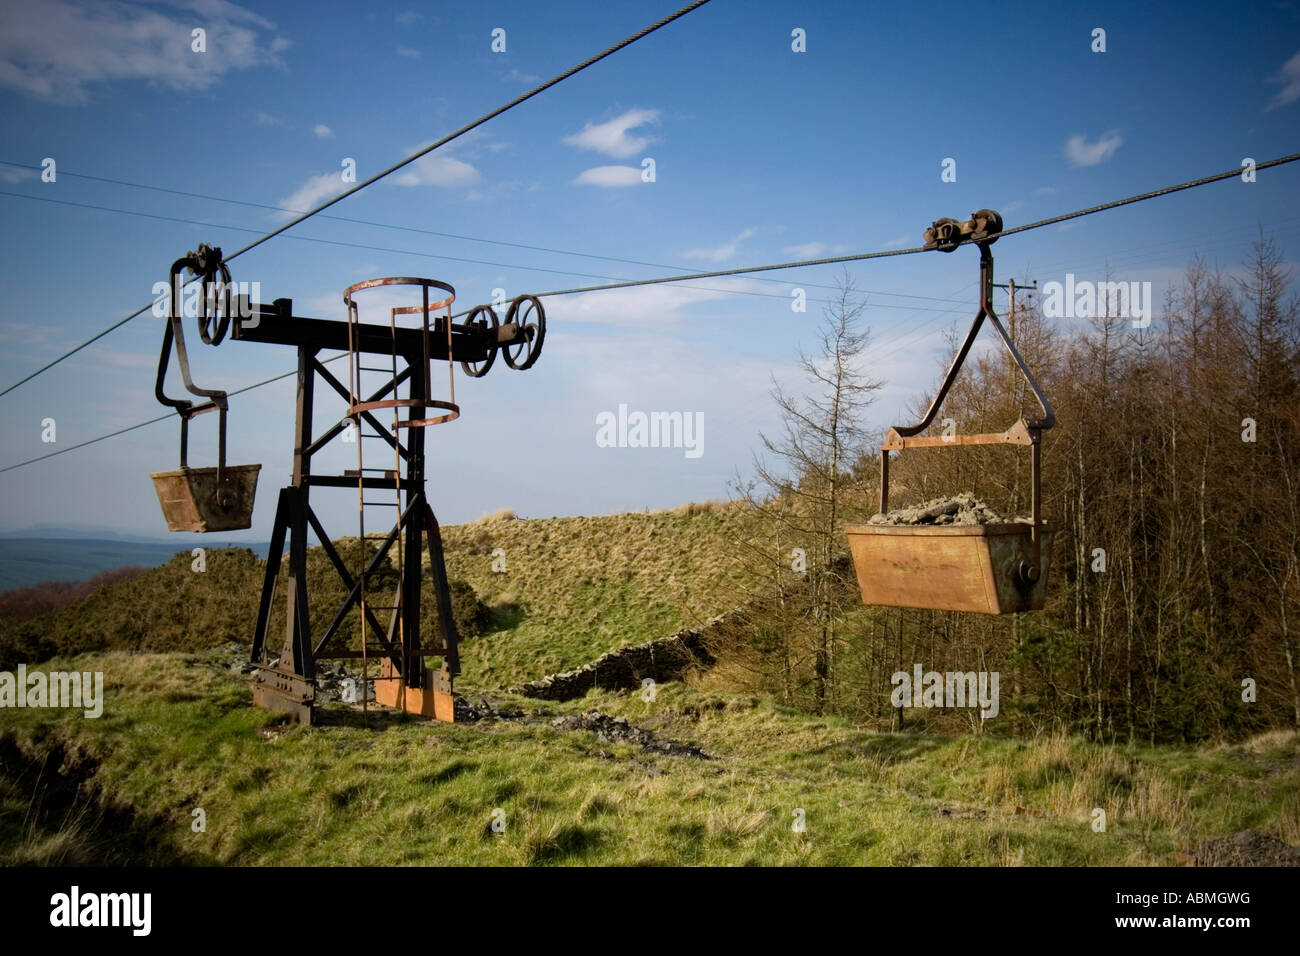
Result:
[1247,848]
[962,509]
[474,707]
[606,728]
[618,729]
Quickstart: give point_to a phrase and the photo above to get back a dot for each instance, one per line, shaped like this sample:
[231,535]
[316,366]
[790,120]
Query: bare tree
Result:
[805,484]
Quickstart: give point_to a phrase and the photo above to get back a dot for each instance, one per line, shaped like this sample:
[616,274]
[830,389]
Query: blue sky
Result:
[761,155]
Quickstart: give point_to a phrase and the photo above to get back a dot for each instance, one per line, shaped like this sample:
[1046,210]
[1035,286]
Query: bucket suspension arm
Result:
[1023,432]
[206,263]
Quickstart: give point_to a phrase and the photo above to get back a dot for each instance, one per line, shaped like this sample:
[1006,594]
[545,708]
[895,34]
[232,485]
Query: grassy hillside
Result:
[178,735]
[171,607]
[573,588]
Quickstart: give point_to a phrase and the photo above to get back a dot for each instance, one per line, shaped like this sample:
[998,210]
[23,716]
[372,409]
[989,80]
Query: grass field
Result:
[178,735]
[575,588]
[379,788]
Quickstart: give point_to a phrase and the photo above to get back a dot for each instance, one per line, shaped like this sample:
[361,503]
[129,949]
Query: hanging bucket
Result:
[201,499]
[990,568]
[193,499]
[950,568]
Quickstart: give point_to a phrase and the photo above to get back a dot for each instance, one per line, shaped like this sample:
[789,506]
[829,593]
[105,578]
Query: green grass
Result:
[575,588]
[382,788]
[178,733]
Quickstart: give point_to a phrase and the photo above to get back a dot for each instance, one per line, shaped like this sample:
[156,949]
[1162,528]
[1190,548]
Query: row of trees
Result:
[1172,478]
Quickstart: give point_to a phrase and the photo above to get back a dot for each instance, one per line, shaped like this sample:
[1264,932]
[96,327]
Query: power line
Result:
[154,421]
[474,125]
[388,225]
[392,169]
[726,272]
[907,252]
[430,255]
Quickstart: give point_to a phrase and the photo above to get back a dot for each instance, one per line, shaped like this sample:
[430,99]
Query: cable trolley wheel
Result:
[528,318]
[484,318]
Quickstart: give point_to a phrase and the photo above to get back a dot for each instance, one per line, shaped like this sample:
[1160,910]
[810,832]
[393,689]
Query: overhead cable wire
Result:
[860,257]
[395,226]
[431,255]
[627,41]
[154,421]
[728,272]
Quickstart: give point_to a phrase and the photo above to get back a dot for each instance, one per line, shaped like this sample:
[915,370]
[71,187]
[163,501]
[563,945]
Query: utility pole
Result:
[1011,287]
[1011,313]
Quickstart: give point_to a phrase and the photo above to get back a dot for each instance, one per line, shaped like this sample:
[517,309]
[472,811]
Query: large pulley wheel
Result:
[214,290]
[527,319]
[484,318]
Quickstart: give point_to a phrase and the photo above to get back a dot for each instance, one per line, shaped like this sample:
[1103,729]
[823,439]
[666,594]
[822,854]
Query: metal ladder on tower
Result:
[370,495]
[376,499]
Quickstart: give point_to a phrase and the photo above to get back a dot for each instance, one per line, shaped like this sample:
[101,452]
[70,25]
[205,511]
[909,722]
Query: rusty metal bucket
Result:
[988,569]
[192,499]
[950,568]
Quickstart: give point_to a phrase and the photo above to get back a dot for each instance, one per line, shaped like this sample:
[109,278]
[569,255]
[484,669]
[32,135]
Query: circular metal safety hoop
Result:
[442,326]
[526,325]
[484,318]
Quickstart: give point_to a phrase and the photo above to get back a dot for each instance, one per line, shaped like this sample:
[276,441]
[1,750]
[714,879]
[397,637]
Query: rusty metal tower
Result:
[221,498]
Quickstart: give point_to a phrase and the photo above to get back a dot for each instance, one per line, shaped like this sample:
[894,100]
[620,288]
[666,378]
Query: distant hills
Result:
[36,555]
[557,592]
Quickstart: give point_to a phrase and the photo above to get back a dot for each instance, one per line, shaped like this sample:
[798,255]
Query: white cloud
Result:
[496,191]
[609,176]
[23,333]
[56,50]
[611,137]
[322,131]
[408,17]
[14,174]
[126,359]
[527,79]
[808,250]
[815,250]
[653,304]
[266,119]
[898,242]
[720,253]
[438,170]
[373,305]
[406,51]
[310,194]
[1082,153]
[1289,79]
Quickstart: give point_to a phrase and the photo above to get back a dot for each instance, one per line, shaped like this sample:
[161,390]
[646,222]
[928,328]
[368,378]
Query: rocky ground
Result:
[962,509]
[624,669]
[335,683]
[618,729]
